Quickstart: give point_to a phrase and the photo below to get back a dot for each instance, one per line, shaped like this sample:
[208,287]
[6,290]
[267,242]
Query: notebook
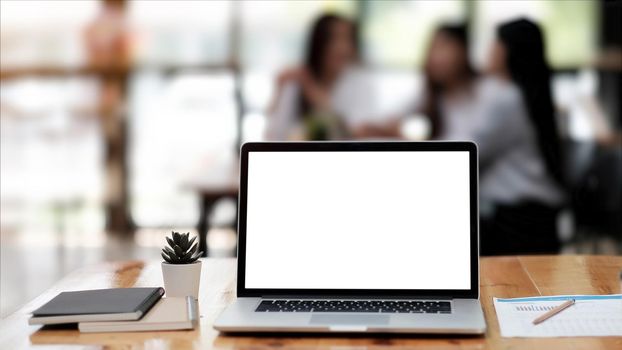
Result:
[167,314]
[590,316]
[97,305]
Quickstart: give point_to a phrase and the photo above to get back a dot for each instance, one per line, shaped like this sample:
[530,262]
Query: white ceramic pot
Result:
[181,280]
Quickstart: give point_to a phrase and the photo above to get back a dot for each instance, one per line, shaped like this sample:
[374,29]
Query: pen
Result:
[553,312]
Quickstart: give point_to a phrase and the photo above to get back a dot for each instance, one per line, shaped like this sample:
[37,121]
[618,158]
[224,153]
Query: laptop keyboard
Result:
[381,306]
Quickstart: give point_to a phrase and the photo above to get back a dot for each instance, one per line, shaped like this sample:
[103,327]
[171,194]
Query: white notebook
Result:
[590,316]
[167,314]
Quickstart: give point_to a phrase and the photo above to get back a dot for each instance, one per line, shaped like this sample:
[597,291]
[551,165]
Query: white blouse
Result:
[352,98]
[494,116]
[512,168]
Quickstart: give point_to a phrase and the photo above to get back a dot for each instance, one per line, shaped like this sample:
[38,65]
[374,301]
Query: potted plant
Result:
[181,268]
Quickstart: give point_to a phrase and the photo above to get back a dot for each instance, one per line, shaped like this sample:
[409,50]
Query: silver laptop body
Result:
[377,237]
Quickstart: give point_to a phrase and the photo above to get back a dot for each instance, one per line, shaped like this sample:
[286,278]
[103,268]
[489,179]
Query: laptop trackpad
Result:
[350,320]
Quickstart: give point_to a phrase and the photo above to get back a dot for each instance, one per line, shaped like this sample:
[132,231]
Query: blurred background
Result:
[121,120]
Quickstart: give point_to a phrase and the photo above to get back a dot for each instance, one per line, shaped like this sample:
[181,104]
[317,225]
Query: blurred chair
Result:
[595,174]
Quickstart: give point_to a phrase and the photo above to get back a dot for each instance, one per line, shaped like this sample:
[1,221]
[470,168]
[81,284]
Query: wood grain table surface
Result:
[518,276]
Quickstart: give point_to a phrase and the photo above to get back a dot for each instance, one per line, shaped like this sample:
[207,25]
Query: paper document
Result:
[591,315]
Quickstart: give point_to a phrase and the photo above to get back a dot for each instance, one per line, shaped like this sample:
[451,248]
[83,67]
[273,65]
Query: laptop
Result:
[376,237]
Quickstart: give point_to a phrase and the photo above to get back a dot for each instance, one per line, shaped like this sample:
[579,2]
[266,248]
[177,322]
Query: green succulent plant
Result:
[180,249]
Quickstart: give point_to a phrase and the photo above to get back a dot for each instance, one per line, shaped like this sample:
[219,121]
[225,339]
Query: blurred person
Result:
[448,100]
[108,43]
[521,179]
[327,94]
[510,115]
[107,37]
[450,81]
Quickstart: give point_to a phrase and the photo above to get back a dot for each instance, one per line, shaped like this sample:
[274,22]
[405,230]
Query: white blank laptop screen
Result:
[358,220]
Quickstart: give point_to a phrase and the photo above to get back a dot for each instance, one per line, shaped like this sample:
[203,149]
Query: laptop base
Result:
[240,317]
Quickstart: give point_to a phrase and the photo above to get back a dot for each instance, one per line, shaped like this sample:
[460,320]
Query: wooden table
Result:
[501,277]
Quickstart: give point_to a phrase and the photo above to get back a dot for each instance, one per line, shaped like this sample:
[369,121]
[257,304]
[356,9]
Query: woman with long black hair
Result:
[326,88]
[521,178]
[450,83]
[449,93]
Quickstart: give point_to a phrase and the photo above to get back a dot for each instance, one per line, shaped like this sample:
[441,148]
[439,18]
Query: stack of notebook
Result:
[118,310]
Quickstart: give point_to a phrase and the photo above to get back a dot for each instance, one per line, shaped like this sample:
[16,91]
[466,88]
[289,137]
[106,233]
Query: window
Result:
[181,119]
[396,33]
[51,156]
[180,32]
[570,27]
[179,123]
[46,32]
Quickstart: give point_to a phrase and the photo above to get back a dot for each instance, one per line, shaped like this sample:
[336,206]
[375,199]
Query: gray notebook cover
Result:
[101,301]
